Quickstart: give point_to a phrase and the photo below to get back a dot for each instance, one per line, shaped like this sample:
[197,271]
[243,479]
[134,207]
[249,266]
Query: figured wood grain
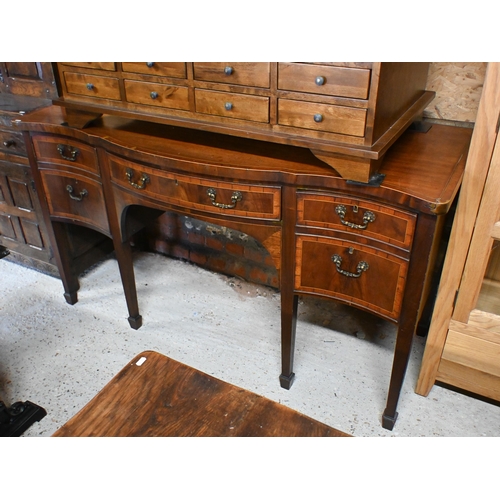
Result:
[163,397]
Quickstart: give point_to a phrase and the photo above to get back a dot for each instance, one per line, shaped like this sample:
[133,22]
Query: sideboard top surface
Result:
[426,166]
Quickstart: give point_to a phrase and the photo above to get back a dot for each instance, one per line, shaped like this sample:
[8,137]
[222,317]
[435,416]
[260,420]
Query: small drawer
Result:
[12,143]
[367,219]
[107,66]
[235,73]
[64,151]
[157,94]
[239,200]
[322,117]
[76,198]
[229,105]
[353,273]
[171,69]
[325,80]
[101,87]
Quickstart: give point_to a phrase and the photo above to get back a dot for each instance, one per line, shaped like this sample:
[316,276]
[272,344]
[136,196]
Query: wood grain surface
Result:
[158,396]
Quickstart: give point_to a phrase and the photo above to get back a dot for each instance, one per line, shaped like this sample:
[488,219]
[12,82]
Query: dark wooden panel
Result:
[163,397]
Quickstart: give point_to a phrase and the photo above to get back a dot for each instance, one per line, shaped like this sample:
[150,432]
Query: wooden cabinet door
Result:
[21,229]
[34,79]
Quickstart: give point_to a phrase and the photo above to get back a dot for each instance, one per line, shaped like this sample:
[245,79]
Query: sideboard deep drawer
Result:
[326,80]
[230,105]
[75,198]
[157,94]
[353,273]
[170,69]
[98,87]
[361,217]
[322,117]
[64,151]
[234,199]
[236,73]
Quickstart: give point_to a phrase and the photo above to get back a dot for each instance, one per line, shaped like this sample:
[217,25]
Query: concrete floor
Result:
[59,356]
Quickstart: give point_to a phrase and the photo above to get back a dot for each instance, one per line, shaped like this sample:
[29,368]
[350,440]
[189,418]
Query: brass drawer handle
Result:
[368,217]
[9,143]
[236,196]
[68,152]
[79,197]
[142,181]
[360,268]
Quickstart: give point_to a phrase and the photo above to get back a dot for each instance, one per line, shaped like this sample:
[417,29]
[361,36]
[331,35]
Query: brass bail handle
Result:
[360,268]
[143,180]
[75,197]
[235,197]
[68,152]
[368,217]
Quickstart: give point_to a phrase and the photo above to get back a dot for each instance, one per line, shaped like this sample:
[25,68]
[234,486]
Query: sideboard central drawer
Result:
[102,87]
[156,94]
[231,199]
[325,80]
[231,105]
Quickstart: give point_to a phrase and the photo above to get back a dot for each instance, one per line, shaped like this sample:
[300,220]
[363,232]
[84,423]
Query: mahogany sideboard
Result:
[369,246]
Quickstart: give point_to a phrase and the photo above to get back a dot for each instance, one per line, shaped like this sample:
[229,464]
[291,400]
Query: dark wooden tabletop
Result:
[158,396]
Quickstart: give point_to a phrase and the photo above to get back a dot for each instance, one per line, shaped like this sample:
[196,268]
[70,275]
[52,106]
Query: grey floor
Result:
[59,356]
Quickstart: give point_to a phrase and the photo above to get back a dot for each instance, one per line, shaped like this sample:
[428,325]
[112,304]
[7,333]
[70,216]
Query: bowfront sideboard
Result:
[369,246]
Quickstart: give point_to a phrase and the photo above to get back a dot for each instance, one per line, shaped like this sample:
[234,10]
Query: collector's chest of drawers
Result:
[348,114]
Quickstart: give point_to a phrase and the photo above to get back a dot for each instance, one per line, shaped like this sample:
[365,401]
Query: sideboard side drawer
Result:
[376,286]
[322,117]
[169,69]
[99,87]
[64,151]
[230,105]
[236,73]
[75,198]
[325,80]
[360,217]
[156,94]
